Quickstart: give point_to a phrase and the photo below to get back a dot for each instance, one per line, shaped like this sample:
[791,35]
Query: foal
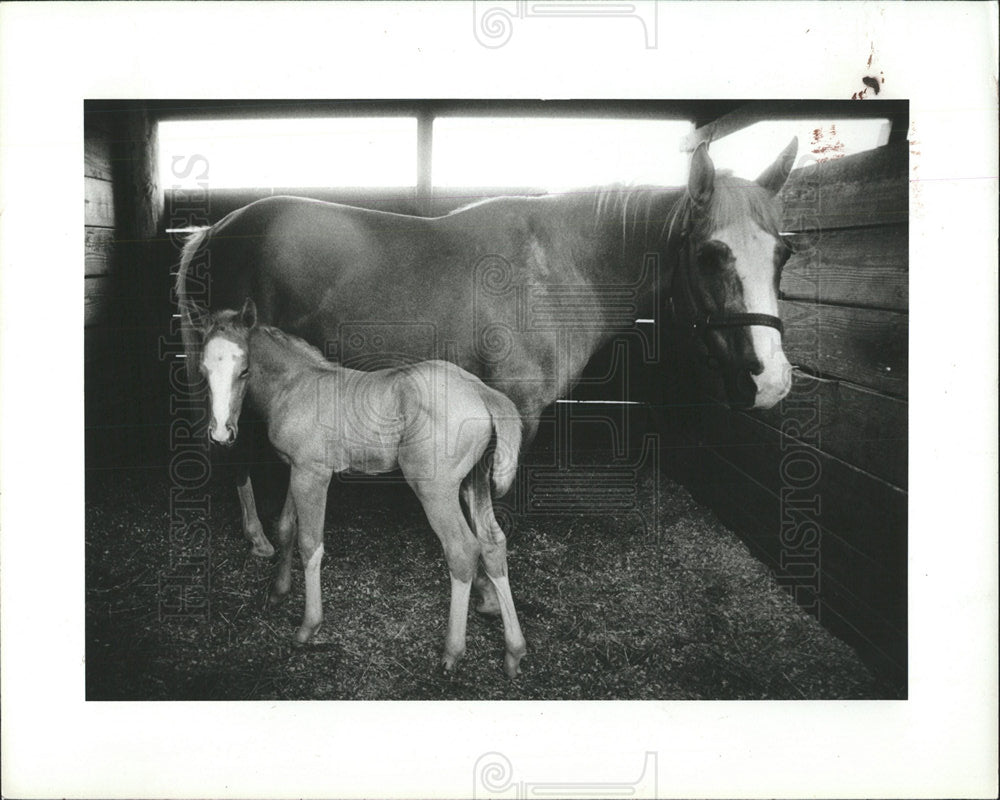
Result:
[432,420]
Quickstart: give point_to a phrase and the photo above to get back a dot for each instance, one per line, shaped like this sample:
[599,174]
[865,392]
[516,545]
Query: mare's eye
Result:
[245,373]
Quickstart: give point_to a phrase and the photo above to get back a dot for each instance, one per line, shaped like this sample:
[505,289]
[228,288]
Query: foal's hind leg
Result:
[494,553]
[489,602]
[286,535]
[252,528]
[461,550]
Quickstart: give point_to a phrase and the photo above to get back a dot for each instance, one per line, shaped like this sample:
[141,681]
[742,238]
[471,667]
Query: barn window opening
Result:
[749,151]
[553,154]
[315,152]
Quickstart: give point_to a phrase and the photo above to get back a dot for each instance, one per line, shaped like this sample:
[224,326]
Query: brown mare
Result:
[519,291]
[431,420]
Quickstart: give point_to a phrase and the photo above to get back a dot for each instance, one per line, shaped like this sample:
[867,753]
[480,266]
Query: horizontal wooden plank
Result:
[866,513]
[868,347]
[99,204]
[863,428]
[99,249]
[867,267]
[97,155]
[870,188]
[859,599]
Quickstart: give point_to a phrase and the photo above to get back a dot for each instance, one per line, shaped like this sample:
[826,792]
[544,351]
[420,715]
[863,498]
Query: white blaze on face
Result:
[223,362]
[754,251]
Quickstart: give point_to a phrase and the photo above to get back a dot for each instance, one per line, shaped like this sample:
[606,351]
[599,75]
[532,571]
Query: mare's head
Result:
[725,288]
[225,363]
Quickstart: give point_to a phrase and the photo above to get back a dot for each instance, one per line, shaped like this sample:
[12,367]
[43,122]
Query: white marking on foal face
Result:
[754,250]
[224,363]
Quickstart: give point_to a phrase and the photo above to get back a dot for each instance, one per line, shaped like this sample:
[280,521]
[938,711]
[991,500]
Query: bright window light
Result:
[750,151]
[554,154]
[338,152]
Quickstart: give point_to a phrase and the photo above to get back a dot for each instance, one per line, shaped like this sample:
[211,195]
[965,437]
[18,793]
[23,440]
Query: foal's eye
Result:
[245,373]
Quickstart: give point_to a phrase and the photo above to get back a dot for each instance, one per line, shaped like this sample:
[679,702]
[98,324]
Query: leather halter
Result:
[700,325]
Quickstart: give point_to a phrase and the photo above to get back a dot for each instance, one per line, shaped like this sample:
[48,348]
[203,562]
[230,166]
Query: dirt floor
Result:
[611,606]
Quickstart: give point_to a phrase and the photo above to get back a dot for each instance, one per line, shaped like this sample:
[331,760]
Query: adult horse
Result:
[520,291]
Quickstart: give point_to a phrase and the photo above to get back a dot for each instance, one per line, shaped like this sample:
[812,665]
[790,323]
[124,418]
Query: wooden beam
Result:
[765,111]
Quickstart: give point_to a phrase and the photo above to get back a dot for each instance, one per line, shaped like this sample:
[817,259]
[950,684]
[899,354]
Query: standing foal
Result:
[433,420]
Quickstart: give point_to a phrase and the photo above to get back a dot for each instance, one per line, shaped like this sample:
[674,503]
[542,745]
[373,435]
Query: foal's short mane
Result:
[228,323]
[299,345]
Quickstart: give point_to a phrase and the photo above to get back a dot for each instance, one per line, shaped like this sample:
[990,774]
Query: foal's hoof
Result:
[512,665]
[304,634]
[449,662]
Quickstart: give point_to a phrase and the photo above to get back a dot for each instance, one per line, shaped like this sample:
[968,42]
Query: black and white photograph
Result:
[636,382]
[503,357]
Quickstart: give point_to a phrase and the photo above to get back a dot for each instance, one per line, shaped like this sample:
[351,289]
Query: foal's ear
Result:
[248,314]
[701,179]
[774,177]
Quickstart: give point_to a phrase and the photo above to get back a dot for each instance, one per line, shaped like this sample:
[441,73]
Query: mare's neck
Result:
[624,227]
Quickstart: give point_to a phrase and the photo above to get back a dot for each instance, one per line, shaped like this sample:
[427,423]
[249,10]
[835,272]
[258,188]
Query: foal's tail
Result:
[507,428]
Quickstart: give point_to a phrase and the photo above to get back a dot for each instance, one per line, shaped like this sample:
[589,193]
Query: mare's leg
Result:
[494,553]
[461,550]
[308,490]
[286,535]
[252,529]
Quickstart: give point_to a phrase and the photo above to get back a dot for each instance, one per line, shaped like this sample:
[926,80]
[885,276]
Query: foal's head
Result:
[225,362]
[726,285]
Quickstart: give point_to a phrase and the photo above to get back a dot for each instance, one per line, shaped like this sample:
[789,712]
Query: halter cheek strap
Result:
[701,325]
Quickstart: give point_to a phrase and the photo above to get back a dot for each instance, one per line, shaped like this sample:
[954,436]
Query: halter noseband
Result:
[701,325]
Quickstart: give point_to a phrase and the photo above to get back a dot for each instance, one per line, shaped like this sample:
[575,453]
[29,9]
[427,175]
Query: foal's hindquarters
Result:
[440,444]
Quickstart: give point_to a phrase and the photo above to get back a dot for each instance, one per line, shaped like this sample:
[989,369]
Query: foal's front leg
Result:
[308,490]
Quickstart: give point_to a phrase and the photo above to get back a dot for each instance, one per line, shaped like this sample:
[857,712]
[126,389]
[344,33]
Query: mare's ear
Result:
[248,314]
[774,177]
[701,179]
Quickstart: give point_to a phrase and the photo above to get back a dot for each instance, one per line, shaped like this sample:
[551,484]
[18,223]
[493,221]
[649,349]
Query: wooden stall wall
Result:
[818,485]
[126,288]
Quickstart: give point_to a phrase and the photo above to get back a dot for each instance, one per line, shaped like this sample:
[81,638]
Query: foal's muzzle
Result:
[228,440]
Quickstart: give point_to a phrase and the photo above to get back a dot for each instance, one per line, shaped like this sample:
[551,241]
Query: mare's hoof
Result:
[262,549]
[275,598]
[488,609]
[512,665]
